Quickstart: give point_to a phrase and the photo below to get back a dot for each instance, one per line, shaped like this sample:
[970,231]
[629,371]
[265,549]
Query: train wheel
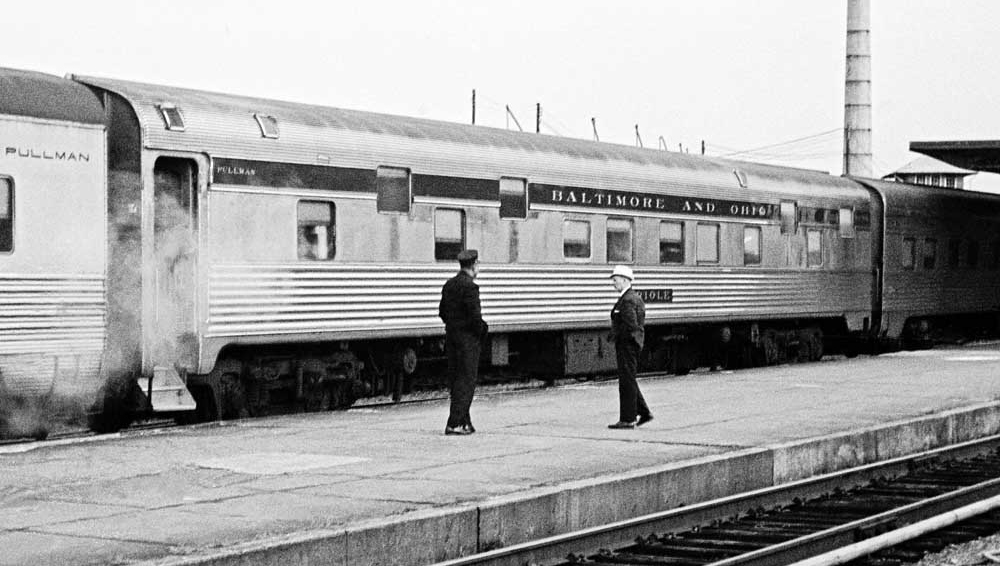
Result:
[769,347]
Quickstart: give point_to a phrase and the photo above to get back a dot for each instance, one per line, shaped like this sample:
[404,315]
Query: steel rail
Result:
[588,541]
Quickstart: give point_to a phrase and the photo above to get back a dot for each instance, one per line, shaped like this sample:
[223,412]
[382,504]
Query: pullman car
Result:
[217,256]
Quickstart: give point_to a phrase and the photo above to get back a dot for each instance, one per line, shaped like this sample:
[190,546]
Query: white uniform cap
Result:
[624,271]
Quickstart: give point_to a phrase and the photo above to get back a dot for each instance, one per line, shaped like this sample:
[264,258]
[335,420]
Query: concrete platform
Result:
[387,487]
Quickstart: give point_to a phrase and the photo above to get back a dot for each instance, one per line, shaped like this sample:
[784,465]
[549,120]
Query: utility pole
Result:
[593,124]
[538,117]
[858,91]
[663,144]
[511,115]
[473,107]
[638,138]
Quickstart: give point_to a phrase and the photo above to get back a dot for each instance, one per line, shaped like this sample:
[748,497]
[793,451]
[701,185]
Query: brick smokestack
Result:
[858,91]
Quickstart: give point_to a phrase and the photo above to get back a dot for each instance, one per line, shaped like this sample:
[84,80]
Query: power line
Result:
[789,142]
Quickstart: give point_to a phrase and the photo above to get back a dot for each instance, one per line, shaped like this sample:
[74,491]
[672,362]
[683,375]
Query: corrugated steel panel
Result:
[938,292]
[51,332]
[344,300]
[223,126]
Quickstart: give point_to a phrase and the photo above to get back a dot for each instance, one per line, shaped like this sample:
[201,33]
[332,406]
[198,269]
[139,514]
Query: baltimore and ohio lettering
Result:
[55,155]
[647,202]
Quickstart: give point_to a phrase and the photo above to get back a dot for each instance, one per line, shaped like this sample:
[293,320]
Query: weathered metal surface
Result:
[51,332]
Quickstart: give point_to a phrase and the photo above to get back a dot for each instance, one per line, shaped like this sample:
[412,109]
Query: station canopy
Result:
[977,155]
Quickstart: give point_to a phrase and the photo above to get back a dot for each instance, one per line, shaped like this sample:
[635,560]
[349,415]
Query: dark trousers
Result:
[462,349]
[630,401]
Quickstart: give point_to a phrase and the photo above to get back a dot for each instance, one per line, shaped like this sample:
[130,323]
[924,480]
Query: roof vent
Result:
[172,116]
[268,125]
[741,178]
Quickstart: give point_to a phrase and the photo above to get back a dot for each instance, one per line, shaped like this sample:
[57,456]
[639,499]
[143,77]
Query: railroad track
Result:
[837,518]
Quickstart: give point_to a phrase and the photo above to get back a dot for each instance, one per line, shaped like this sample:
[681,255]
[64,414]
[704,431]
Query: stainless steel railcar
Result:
[263,252]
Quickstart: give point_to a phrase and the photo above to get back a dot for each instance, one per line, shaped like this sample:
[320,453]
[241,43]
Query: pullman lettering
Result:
[55,155]
[234,170]
[646,202]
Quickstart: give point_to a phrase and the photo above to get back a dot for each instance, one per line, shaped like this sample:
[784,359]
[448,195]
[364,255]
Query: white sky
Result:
[738,74]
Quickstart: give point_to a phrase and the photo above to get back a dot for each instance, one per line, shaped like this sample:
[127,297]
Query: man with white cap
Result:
[627,319]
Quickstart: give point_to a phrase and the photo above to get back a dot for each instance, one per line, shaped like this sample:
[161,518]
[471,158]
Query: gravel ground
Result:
[965,554]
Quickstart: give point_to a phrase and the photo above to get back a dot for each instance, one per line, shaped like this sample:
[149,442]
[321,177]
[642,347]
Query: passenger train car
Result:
[209,255]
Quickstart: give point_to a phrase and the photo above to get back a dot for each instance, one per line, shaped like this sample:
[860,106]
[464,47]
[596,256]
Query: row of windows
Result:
[317,238]
[928,254]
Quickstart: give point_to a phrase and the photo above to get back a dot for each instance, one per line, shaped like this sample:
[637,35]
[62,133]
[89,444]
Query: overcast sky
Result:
[737,74]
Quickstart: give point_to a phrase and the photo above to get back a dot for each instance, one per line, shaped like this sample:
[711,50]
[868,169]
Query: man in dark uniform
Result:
[464,328]
[627,319]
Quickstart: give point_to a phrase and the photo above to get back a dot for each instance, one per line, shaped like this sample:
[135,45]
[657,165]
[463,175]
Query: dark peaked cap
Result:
[466,256]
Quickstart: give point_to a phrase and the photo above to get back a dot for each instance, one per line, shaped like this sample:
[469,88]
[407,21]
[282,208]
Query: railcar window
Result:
[930,253]
[708,243]
[6,215]
[619,239]
[172,117]
[788,217]
[846,220]
[954,247]
[751,245]
[317,238]
[576,239]
[513,198]
[972,257]
[449,233]
[392,187]
[671,242]
[268,125]
[814,248]
[908,253]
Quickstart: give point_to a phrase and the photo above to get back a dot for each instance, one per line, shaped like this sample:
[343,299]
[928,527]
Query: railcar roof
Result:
[232,117]
[38,95]
[937,199]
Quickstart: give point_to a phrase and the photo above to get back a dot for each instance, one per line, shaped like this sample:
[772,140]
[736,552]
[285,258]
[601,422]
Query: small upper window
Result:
[846,220]
[788,217]
[268,125]
[317,230]
[392,187]
[751,245]
[576,239]
[814,248]
[708,243]
[513,198]
[619,240]
[172,117]
[671,242]
[908,255]
[449,233]
[930,253]
[6,215]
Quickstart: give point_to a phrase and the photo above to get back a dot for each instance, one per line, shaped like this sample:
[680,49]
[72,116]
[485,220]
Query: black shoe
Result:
[463,430]
[622,424]
[644,419]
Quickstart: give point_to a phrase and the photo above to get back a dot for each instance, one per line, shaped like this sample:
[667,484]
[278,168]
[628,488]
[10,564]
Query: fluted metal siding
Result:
[50,321]
[936,292]
[223,126]
[342,300]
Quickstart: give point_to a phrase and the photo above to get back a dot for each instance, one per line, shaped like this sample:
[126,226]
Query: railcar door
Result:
[173,341]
